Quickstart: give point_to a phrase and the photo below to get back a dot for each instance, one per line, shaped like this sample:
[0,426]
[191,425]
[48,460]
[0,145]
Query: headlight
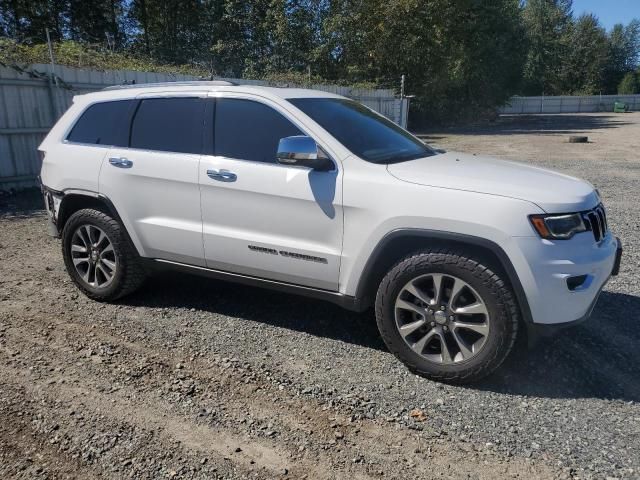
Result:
[558,227]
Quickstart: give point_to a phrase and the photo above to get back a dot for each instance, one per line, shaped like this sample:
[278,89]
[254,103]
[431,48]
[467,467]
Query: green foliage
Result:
[623,51]
[548,24]
[461,58]
[630,84]
[584,63]
[81,55]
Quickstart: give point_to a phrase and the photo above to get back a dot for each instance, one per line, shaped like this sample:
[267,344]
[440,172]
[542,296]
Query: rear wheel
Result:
[99,256]
[446,316]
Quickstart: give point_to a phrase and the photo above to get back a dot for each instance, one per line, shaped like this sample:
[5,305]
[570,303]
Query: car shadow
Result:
[23,204]
[599,358]
[311,316]
[552,124]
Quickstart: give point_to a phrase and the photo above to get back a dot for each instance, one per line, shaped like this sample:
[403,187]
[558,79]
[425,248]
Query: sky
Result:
[609,12]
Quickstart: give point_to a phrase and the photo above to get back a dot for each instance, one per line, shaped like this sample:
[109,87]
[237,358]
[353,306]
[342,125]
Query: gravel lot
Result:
[191,378]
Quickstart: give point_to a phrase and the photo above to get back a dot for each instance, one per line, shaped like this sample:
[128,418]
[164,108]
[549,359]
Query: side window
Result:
[102,124]
[249,130]
[169,124]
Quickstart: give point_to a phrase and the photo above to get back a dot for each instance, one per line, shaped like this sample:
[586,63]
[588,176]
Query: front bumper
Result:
[554,265]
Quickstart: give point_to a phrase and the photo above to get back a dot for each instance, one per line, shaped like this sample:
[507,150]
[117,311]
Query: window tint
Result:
[368,135]
[103,124]
[249,130]
[169,124]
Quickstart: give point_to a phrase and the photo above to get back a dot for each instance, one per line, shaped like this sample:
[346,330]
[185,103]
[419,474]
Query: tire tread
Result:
[134,273]
[506,303]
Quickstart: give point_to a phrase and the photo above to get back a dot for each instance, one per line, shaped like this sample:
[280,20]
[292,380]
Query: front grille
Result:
[596,221]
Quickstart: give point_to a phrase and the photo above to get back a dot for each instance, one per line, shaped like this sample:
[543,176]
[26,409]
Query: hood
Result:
[551,191]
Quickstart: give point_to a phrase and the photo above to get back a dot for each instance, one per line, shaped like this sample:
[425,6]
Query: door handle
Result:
[222,175]
[121,162]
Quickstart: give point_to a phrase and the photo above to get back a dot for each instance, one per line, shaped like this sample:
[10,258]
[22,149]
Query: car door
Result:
[153,183]
[261,218]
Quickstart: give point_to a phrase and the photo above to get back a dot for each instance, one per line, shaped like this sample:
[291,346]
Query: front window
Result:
[248,130]
[363,132]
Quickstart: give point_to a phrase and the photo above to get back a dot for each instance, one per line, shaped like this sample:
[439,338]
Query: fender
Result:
[65,196]
[442,238]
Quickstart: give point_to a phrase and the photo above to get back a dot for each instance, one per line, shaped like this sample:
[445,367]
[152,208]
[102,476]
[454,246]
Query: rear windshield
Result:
[365,133]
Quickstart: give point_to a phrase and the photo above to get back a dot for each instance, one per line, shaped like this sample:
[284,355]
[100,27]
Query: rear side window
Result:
[249,130]
[169,124]
[103,124]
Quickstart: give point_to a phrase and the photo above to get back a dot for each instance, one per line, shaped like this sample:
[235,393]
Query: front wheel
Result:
[99,256]
[446,316]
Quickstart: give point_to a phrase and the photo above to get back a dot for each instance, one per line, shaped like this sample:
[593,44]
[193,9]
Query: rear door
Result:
[153,183]
[261,218]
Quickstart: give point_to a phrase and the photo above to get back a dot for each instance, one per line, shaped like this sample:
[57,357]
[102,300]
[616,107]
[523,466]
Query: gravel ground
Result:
[191,378]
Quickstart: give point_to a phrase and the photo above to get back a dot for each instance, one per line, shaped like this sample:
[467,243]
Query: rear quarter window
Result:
[103,124]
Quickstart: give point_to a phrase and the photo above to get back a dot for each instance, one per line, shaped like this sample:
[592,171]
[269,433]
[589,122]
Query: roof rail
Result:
[204,83]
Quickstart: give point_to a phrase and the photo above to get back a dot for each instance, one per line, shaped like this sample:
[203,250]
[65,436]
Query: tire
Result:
[84,227]
[483,340]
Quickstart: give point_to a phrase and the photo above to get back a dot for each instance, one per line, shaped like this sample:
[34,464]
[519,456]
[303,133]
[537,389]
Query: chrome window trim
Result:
[132,149]
[81,144]
[275,164]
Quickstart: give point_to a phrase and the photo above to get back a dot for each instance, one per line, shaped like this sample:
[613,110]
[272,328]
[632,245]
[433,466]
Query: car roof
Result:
[132,91]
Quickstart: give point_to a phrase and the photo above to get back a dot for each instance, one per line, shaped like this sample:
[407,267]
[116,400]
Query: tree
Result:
[168,30]
[547,25]
[630,84]
[292,25]
[459,59]
[95,21]
[27,20]
[623,53]
[584,64]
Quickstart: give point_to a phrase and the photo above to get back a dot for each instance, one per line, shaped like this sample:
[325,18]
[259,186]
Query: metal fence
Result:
[568,104]
[30,103]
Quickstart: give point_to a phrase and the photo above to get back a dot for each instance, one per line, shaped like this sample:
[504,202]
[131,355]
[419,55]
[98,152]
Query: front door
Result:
[261,218]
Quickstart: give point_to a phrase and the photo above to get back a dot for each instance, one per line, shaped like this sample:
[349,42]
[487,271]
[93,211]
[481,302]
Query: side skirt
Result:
[345,301]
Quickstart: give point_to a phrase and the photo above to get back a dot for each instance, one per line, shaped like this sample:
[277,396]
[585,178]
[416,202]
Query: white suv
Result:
[313,193]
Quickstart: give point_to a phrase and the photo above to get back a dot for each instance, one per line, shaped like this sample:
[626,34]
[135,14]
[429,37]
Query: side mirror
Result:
[303,151]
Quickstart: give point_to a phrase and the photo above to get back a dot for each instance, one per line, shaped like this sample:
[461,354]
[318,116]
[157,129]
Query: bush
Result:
[82,55]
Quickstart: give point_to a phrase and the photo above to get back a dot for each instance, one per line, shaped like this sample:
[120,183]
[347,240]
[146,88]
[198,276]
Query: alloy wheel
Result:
[442,318]
[93,256]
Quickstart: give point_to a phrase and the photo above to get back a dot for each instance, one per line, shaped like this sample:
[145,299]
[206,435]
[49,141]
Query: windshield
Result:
[365,133]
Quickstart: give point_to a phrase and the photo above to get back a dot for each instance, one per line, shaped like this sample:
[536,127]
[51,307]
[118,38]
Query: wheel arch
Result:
[74,200]
[402,242]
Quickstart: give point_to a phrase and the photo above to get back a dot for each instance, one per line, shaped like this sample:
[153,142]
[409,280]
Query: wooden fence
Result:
[30,103]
